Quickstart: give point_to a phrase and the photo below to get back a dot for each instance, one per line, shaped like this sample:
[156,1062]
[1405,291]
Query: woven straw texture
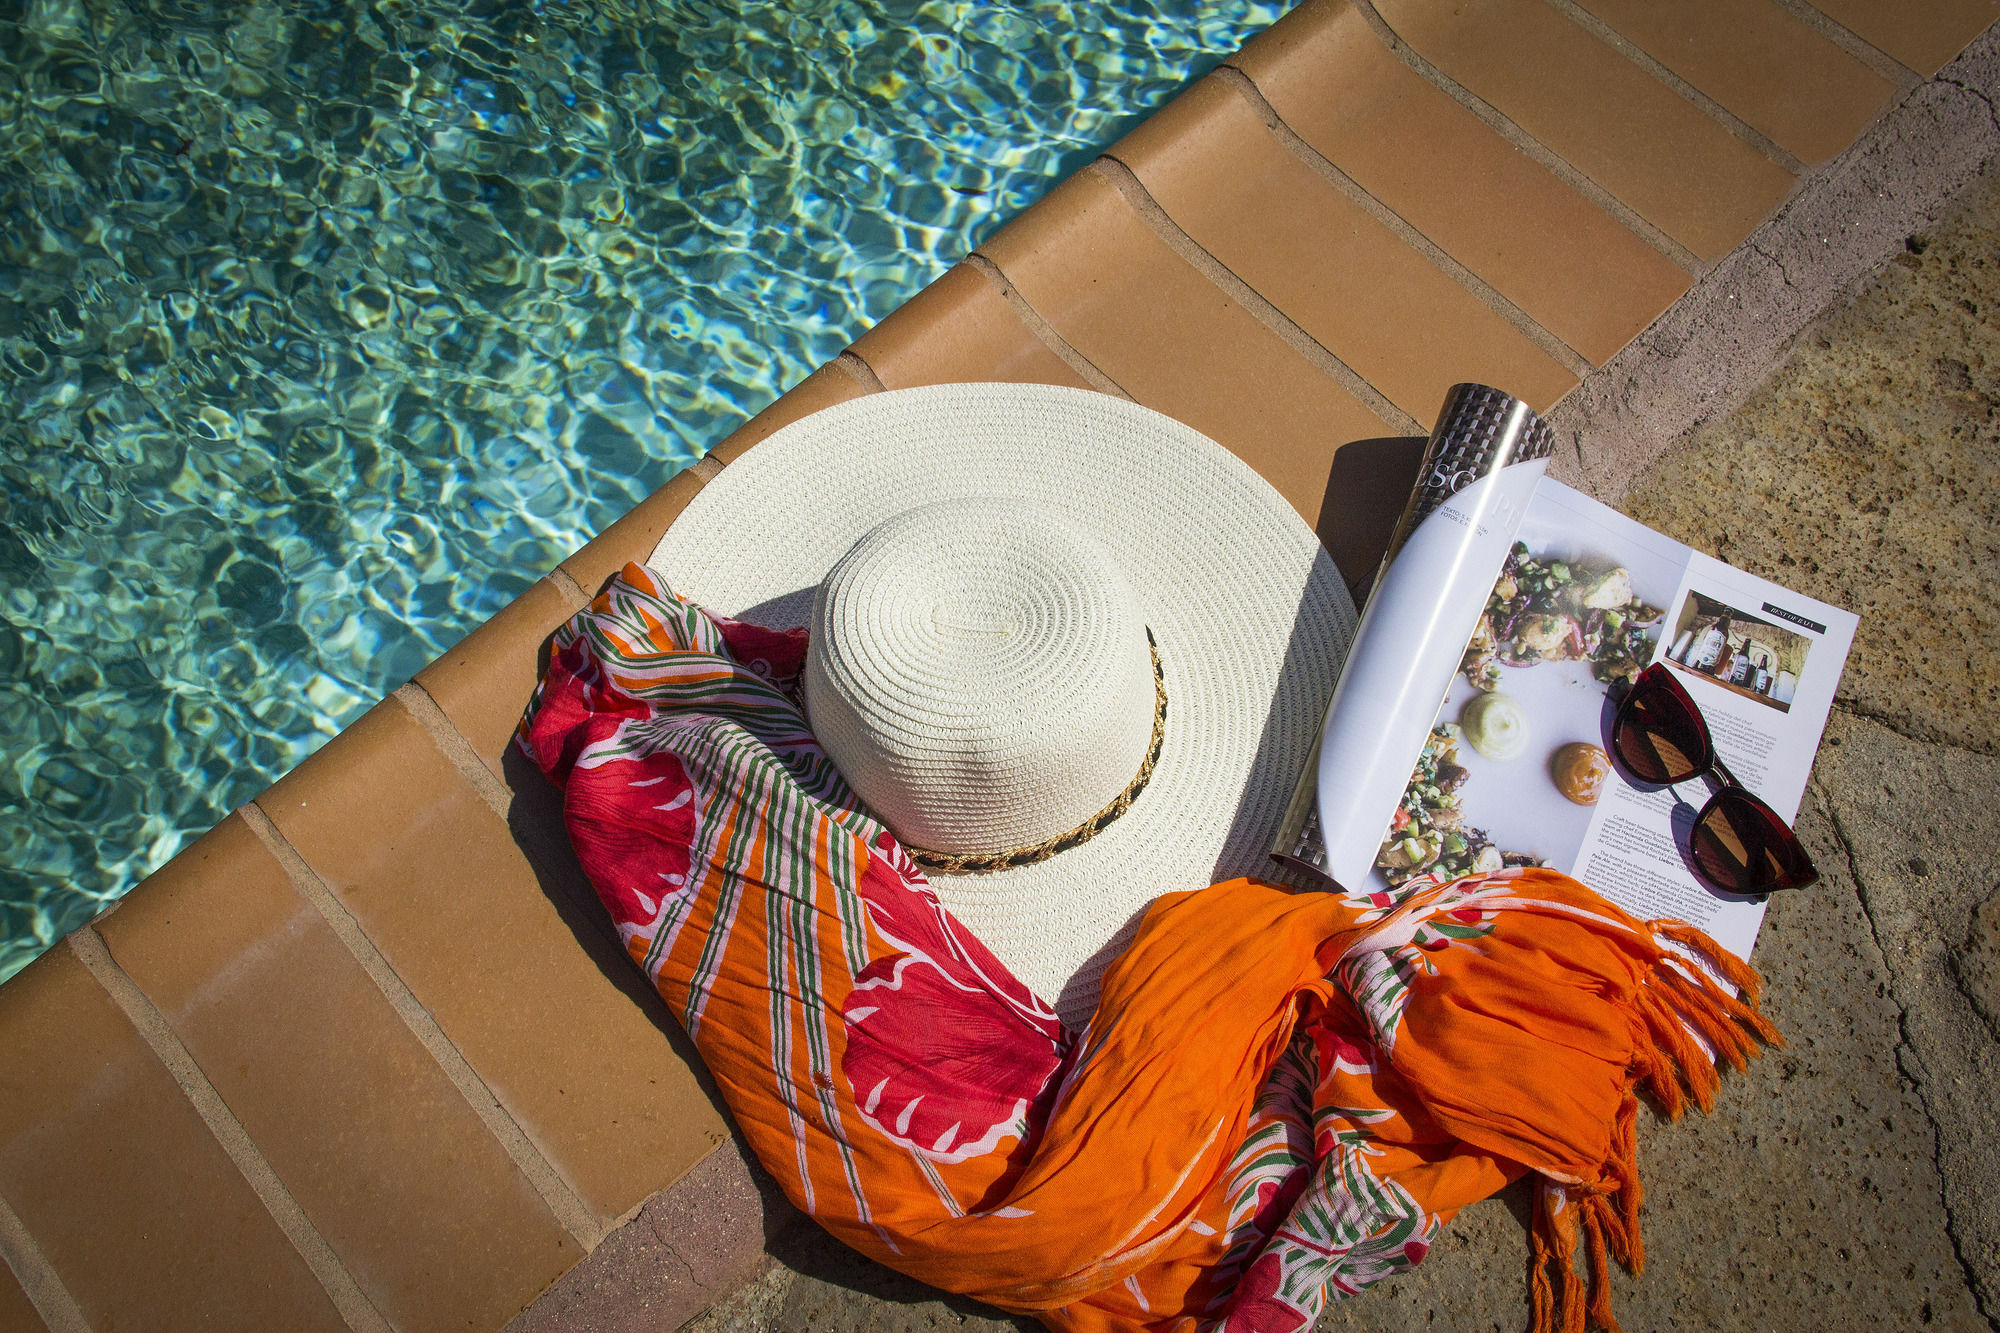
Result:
[1249,614]
[978,672]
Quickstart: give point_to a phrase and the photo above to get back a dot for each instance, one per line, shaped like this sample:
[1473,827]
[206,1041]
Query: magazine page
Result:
[1488,790]
[1481,467]
[1515,770]
[1761,663]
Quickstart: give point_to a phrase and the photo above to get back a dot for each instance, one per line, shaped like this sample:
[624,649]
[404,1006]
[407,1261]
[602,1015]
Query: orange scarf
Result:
[1281,1097]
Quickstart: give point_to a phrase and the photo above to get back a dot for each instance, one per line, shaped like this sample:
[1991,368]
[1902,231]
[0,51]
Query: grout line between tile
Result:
[571,1213]
[1556,349]
[1133,191]
[453,745]
[417,702]
[1890,68]
[1042,329]
[339,1284]
[707,467]
[38,1277]
[1715,110]
[859,370]
[1564,169]
[572,591]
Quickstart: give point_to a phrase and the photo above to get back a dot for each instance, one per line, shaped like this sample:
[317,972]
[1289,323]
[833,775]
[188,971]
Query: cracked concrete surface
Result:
[1851,1177]
[1918,824]
[1867,470]
[1980,93]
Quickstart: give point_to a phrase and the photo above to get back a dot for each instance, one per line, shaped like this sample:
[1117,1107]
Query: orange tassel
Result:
[1649,1060]
[1647,1067]
[1597,1215]
[1694,1065]
[1672,1004]
[1541,1315]
[1765,1030]
[1690,998]
[1631,1193]
[1679,1057]
[1572,1297]
[1749,986]
[1555,1241]
[1734,970]
[1699,1011]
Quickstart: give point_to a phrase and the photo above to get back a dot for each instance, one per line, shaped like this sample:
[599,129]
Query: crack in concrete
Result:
[1908,1062]
[694,1281]
[1980,93]
[1776,263]
[1901,729]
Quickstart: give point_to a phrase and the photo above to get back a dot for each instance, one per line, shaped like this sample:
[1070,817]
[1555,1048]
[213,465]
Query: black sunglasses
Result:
[1739,844]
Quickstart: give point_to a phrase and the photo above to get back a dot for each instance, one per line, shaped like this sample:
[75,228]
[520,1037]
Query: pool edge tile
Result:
[826,386]
[1406,326]
[521,976]
[17,1312]
[1565,262]
[426,1211]
[1609,118]
[484,682]
[1110,286]
[139,1210]
[1923,38]
[634,534]
[1819,104]
[953,328]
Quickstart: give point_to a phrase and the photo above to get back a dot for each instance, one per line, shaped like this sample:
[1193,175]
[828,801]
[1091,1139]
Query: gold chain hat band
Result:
[964,863]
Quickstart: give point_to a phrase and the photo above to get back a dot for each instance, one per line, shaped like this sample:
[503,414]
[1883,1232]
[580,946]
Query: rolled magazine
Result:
[1484,460]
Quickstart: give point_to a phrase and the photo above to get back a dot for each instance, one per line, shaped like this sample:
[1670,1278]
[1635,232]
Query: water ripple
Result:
[325,328]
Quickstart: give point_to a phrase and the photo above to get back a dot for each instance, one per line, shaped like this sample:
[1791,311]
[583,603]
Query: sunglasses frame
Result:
[1799,873]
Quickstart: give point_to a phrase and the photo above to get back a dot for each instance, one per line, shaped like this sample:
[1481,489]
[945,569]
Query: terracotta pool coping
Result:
[367,1055]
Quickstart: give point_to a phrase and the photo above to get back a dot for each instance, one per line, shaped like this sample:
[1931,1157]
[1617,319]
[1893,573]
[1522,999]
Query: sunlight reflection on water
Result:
[325,329]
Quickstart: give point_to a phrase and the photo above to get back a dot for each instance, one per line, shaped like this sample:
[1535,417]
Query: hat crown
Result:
[978,670]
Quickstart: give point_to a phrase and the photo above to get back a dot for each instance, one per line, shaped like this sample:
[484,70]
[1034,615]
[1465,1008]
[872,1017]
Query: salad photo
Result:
[1557,611]
[1558,632]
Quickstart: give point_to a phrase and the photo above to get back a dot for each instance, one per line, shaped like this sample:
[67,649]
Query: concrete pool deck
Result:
[366,1056]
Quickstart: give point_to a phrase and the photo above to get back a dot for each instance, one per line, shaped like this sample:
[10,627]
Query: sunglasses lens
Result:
[1658,734]
[1741,846]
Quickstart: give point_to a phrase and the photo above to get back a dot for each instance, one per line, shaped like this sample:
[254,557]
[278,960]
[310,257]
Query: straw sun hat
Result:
[1052,632]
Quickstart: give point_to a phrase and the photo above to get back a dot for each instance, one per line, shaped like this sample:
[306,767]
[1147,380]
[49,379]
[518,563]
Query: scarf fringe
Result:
[1628,1245]
[1677,1010]
[1556,1293]
[1597,1219]
[1541,1298]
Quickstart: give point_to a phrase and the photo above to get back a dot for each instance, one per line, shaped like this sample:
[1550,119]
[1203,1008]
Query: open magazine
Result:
[1526,607]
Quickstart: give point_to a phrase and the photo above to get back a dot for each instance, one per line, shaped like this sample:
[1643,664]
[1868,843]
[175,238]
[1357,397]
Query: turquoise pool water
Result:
[326,328]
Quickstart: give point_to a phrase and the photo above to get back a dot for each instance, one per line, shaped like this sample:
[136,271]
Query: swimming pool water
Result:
[327,328]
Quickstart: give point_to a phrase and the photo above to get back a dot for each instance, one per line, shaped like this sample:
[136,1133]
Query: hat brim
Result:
[1249,612]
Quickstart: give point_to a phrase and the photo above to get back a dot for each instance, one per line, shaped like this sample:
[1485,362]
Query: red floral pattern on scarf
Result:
[1280,1097]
